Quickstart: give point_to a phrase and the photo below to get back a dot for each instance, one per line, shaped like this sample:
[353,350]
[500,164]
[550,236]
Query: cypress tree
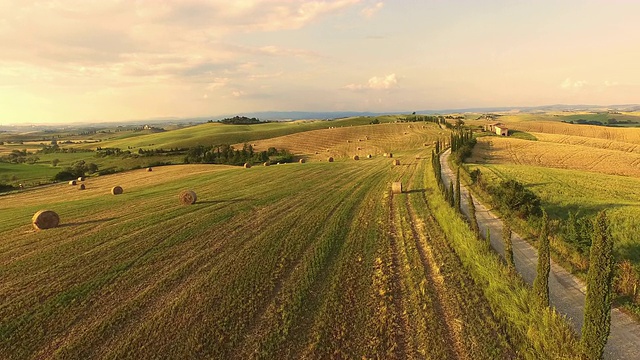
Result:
[597,308]
[508,247]
[472,216]
[458,196]
[489,235]
[541,283]
[450,194]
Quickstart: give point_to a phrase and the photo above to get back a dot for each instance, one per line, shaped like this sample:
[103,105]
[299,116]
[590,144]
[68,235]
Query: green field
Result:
[216,133]
[315,260]
[564,190]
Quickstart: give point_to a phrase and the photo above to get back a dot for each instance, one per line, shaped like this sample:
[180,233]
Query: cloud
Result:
[608,83]
[369,11]
[376,83]
[569,84]
[179,39]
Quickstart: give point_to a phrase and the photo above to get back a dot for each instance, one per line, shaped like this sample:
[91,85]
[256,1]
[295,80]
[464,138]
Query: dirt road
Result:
[567,293]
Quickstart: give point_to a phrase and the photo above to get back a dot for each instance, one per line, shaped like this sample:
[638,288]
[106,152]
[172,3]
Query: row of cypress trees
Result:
[597,312]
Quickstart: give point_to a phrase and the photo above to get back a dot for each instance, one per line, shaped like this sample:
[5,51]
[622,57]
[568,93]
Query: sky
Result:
[116,60]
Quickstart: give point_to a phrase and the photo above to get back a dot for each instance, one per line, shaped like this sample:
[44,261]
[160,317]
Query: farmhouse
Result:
[497,128]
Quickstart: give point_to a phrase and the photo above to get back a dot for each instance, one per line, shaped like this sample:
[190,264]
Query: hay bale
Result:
[301,161]
[72,182]
[149,169]
[356,157]
[266,163]
[117,190]
[81,178]
[188,197]
[369,156]
[385,154]
[45,219]
[396,187]
[390,155]
[359,148]
[348,141]
[247,165]
[330,159]
[82,187]
[396,162]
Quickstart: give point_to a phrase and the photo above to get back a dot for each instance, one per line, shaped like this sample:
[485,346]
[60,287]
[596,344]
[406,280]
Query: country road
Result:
[567,293]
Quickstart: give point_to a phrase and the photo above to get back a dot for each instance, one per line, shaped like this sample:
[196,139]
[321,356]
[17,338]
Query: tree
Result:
[55,162]
[541,282]
[450,194]
[456,201]
[508,246]
[597,308]
[488,235]
[472,216]
[92,168]
[513,197]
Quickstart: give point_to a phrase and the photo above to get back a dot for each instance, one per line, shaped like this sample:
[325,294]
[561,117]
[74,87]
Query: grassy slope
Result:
[289,260]
[216,133]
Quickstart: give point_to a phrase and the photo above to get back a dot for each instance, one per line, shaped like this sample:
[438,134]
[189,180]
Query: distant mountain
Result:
[321,115]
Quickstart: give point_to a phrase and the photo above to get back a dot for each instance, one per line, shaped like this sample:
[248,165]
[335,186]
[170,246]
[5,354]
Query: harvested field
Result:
[344,270]
[500,150]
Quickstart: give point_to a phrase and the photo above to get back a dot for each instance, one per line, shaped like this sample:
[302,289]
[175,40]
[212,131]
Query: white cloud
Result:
[376,83]
[237,93]
[369,11]
[608,83]
[569,84]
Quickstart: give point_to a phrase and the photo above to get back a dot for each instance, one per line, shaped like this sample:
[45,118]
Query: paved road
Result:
[567,293]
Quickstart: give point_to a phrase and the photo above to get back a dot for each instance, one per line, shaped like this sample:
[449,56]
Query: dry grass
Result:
[45,219]
[188,197]
[629,135]
[497,150]
[590,142]
[136,180]
[343,142]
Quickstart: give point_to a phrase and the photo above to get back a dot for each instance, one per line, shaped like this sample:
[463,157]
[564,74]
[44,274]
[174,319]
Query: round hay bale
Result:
[82,187]
[266,163]
[359,148]
[81,178]
[396,187]
[330,159]
[117,190]
[72,182]
[396,162]
[301,161]
[149,169]
[385,154]
[390,155]
[188,197]
[348,141]
[45,219]
[369,156]
[247,165]
[356,157]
